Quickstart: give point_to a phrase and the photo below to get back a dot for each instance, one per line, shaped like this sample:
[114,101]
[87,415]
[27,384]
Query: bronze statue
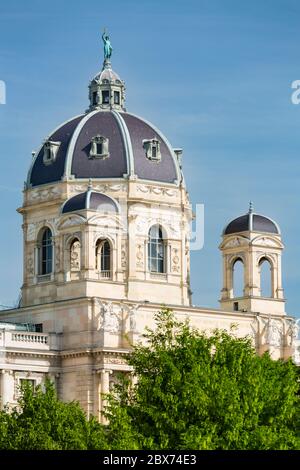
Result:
[107,45]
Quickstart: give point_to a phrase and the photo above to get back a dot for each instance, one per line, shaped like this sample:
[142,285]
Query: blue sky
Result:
[215,76]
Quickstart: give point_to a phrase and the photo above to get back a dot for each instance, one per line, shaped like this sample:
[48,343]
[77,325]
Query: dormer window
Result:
[105,97]
[99,147]
[95,98]
[116,97]
[152,148]
[50,151]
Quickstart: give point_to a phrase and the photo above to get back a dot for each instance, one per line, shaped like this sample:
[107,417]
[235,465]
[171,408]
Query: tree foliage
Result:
[195,391]
[192,391]
[42,422]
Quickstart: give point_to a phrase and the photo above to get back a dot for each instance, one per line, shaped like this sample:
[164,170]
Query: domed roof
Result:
[90,200]
[107,74]
[252,222]
[125,135]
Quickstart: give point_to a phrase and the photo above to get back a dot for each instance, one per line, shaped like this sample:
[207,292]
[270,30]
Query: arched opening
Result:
[103,258]
[75,255]
[45,252]
[265,271]
[238,278]
[156,250]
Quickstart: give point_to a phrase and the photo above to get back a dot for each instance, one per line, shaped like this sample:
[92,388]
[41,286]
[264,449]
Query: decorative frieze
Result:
[145,189]
[41,195]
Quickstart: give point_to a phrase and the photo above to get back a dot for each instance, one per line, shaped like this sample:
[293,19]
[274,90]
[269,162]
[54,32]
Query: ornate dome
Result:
[91,200]
[105,142]
[123,134]
[252,222]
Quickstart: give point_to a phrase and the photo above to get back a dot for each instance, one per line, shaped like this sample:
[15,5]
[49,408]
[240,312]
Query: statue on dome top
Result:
[107,45]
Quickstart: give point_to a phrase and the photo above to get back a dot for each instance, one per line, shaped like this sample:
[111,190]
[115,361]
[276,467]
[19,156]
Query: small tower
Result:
[107,90]
[253,240]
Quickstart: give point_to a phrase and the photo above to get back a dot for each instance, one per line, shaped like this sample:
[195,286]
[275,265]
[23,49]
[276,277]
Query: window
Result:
[117,97]
[27,382]
[95,98]
[238,278]
[105,97]
[38,327]
[45,252]
[265,271]
[99,147]
[154,153]
[152,148]
[156,250]
[50,151]
[103,258]
[236,306]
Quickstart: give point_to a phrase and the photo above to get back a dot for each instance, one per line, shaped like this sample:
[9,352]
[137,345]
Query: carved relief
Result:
[103,188]
[267,242]
[71,221]
[175,260]
[274,333]
[110,187]
[132,317]
[123,256]
[75,256]
[292,332]
[139,256]
[235,242]
[57,257]
[44,194]
[114,360]
[111,321]
[156,190]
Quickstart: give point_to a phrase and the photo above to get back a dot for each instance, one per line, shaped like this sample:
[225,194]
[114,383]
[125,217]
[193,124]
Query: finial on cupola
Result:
[107,90]
[250,207]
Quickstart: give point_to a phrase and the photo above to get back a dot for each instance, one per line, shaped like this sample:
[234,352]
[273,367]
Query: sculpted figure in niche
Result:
[75,256]
[274,333]
[110,319]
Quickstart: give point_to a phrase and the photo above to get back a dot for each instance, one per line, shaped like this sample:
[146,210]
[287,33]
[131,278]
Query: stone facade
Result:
[94,277]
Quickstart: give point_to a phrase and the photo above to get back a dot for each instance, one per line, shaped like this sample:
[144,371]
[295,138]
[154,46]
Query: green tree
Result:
[195,391]
[42,422]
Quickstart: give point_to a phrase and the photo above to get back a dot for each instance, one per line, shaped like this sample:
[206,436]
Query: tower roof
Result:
[252,222]
[90,200]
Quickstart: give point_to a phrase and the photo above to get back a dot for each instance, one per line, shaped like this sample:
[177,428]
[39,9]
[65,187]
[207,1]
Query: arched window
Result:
[156,250]
[103,258]
[238,278]
[75,252]
[45,262]
[265,278]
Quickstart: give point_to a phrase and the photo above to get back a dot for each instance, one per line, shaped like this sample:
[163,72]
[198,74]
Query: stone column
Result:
[103,389]
[131,246]
[7,387]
